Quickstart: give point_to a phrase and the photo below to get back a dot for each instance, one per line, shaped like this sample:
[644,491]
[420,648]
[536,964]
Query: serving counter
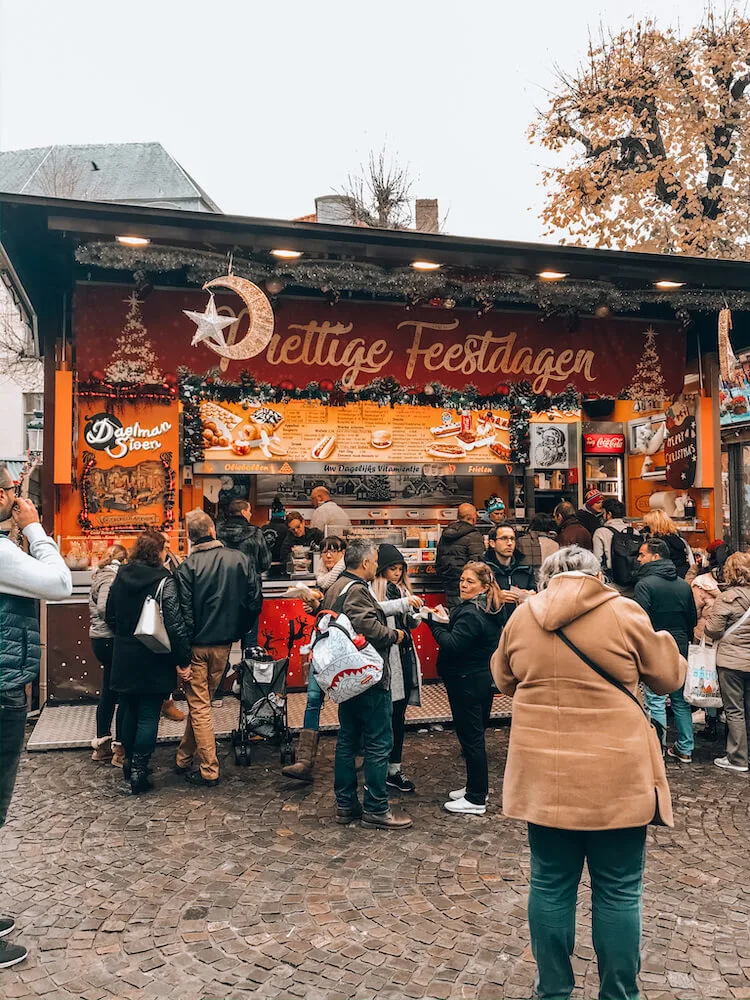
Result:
[71,673]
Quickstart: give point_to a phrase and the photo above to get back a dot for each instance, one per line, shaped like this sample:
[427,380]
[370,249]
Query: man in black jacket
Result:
[509,569]
[221,598]
[366,718]
[669,603]
[237,532]
[461,542]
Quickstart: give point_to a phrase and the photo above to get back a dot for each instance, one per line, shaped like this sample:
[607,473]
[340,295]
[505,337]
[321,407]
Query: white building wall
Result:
[13,333]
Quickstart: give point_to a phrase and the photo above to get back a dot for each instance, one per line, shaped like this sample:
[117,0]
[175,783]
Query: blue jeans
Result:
[683,717]
[12,728]
[314,704]
[366,719]
[616,860]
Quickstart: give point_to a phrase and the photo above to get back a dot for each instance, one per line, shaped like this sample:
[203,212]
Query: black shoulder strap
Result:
[610,528]
[597,669]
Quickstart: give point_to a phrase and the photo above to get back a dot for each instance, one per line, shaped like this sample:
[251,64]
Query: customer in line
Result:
[142,677]
[459,543]
[584,767]
[102,644]
[393,590]
[237,531]
[514,577]
[570,529]
[668,601]
[657,524]
[466,642]
[728,624]
[332,558]
[365,719]
[538,542]
[24,579]
[220,597]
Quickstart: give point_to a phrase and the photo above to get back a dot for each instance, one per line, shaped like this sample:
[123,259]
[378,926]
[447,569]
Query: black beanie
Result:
[388,555]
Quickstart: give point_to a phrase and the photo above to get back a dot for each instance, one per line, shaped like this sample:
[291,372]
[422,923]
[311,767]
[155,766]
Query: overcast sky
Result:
[268,104]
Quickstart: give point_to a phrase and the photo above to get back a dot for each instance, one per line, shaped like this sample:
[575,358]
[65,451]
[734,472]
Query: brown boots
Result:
[302,770]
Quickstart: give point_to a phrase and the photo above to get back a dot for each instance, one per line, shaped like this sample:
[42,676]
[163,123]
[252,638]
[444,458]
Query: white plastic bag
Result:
[702,680]
[341,668]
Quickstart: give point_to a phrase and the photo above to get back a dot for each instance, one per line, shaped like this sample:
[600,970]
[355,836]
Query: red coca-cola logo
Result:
[604,444]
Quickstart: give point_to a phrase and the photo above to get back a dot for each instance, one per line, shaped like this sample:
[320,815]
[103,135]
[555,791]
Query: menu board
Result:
[301,431]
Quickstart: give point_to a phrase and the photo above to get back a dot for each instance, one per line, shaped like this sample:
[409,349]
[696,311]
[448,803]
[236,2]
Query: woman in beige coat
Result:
[585,768]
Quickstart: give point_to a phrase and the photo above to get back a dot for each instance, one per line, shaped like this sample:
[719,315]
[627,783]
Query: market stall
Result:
[196,368]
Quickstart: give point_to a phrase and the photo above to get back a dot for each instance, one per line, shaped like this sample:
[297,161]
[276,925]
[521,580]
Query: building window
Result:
[33,407]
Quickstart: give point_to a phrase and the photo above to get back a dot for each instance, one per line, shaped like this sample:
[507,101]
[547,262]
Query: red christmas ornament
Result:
[502,390]
[210,380]
[286,386]
[97,375]
[436,302]
[327,385]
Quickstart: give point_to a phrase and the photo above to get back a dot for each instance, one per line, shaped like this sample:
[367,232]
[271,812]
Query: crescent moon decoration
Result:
[260,318]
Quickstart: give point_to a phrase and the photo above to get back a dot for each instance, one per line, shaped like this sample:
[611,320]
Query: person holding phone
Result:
[24,579]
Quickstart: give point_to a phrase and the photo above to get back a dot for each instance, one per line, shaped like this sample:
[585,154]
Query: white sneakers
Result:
[459,793]
[463,805]
[724,762]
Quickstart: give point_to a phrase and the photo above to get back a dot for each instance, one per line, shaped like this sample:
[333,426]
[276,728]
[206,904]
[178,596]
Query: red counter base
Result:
[273,632]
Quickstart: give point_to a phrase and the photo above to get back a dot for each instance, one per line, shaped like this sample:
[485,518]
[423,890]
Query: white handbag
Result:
[150,628]
[702,680]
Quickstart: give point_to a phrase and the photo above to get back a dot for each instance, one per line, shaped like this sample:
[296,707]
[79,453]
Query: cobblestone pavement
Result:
[251,890]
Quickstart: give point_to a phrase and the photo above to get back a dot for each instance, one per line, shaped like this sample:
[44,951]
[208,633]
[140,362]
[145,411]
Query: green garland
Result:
[445,287]
[519,398]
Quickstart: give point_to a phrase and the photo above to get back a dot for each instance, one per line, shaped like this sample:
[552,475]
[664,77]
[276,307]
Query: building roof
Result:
[136,173]
[56,241]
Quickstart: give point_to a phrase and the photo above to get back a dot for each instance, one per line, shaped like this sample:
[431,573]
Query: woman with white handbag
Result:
[728,624]
[150,640]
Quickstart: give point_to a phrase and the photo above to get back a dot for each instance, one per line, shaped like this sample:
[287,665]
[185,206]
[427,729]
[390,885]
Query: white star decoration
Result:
[210,324]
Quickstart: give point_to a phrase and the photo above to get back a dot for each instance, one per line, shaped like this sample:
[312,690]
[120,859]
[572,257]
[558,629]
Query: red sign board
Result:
[604,444]
[357,342]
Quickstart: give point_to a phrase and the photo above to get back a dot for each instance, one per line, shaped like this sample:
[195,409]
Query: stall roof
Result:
[43,236]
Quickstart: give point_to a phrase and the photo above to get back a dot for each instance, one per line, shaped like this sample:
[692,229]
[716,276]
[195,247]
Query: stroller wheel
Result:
[288,756]
[242,755]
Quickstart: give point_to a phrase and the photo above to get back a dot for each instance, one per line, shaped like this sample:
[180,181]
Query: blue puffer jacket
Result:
[20,643]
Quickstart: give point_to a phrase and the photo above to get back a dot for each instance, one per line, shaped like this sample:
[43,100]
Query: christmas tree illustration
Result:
[647,387]
[134,358]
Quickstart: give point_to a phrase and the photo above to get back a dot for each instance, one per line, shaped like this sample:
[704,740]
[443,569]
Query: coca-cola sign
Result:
[604,444]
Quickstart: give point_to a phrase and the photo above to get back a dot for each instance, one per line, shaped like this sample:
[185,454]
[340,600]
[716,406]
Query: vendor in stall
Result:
[298,533]
[328,514]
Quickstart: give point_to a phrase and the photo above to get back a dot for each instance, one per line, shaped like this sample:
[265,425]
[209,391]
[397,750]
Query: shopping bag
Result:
[151,629]
[702,680]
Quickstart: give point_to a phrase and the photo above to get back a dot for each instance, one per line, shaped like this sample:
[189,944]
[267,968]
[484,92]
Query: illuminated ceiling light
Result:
[425,265]
[668,286]
[552,275]
[287,254]
[133,241]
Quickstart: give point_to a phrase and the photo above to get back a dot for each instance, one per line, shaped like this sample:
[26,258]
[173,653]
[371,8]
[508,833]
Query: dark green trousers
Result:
[364,721]
[615,860]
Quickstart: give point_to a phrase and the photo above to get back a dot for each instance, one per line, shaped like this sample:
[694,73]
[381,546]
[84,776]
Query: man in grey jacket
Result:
[23,579]
[366,718]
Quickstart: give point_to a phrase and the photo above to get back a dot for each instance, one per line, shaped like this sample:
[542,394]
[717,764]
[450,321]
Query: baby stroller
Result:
[263,703]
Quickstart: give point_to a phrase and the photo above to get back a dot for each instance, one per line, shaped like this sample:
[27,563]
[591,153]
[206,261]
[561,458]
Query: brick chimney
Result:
[426,215]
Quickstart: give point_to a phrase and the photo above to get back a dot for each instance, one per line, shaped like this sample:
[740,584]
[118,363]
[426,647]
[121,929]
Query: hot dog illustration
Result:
[325,447]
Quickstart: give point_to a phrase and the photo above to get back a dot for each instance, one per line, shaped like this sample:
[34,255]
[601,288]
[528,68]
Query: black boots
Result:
[711,729]
[139,773]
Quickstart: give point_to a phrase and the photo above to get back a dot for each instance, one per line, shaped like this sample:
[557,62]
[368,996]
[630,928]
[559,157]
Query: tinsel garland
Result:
[449,285]
[126,391]
[519,398]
